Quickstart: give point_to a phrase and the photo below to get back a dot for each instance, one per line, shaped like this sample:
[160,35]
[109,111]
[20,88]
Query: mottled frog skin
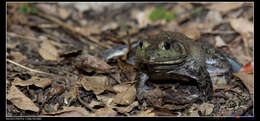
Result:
[174,56]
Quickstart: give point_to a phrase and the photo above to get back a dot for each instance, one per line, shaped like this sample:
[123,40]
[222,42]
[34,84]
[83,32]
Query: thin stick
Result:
[22,37]
[26,68]
[218,32]
[71,29]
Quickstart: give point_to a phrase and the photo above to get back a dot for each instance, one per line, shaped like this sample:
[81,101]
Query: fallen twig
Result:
[71,29]
[22,37]
[218,32]
[26,68]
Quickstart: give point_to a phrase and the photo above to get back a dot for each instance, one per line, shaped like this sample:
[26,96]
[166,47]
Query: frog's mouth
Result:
[166,60]
[169,60]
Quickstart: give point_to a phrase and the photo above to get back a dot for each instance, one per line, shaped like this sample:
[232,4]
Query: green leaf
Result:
[162,13]
[158,13]
[170,16]
[25,8]
[34,10]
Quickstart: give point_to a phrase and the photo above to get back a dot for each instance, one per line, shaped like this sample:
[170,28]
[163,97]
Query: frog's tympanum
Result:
[174,56]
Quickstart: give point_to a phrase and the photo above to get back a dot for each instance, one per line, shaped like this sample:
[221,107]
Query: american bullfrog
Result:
[174,56]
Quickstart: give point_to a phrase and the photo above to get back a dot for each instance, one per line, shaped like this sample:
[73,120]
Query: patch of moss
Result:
[162,13]
[25,8]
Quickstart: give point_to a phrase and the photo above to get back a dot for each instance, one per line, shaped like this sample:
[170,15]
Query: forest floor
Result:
[53,68]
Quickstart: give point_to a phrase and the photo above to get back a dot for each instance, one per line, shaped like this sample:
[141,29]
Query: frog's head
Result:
[165,48]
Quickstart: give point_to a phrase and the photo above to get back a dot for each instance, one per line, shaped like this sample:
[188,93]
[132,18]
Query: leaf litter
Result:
[94,27]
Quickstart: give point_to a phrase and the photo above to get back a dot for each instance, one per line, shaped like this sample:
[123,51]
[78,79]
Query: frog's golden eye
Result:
[141,43]
[167,45]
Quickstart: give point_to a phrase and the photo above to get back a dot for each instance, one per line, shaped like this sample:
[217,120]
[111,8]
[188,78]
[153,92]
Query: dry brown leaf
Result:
[94,103]
[107,111]
[19,82]
[96,63]
[127,69]
[248,80]
[171,26]
[212,19]
[48,51]
[109,26]
[93,29]
[17,56]
[142,17]
[20,100]
[64,13]
[47,8]
[246,30]
[191,30]
[97,84]
[39,82]
[126,97]
[121,87]
[128,108]
[224,7]
[10,44]
[147,113]
[17,18]
[220,42]
[206,108]
[242,25]
[107,100]
[116,77]
[69,112]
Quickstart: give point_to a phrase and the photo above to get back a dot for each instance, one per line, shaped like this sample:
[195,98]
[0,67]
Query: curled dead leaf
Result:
[20,100]
[191,30]
[121,87]
[126,97]
[107,100]
[18,57]
[64,13]
[206,108]
[69,112]
[107,111]
[224,7]
[128,108]
[142,17]
[97,84]
[242,25]
[147,113]
[48,51]
[96,63]
[37,81]
[220,42]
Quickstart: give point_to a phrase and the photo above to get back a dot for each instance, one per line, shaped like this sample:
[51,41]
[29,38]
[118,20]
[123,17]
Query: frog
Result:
[174,56]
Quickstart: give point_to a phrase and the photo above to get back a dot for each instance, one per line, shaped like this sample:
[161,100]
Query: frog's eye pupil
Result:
[141,43]
[167,45]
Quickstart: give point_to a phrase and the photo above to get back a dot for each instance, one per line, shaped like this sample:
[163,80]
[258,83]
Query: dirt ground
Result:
[53,68]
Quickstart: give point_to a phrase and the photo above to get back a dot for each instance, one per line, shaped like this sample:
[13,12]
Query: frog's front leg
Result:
[141,87]
[205,86]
